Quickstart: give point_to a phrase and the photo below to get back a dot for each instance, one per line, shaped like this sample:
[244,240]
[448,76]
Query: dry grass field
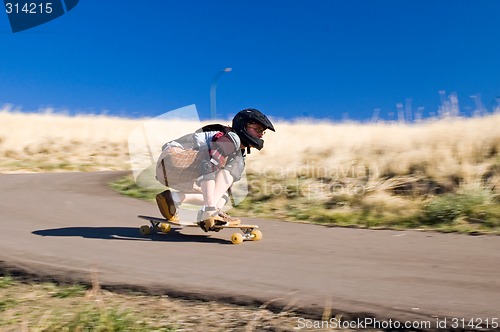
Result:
[49,142]
[439,173]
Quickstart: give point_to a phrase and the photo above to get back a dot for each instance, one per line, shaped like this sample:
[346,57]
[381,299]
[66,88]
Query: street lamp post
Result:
[213,91]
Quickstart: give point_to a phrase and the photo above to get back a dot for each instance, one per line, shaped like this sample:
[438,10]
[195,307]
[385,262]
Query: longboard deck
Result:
[250,232]
[160,220]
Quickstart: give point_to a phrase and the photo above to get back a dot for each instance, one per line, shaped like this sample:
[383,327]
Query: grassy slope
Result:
[49,307]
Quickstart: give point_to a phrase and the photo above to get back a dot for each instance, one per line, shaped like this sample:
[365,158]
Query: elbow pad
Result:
[222,146]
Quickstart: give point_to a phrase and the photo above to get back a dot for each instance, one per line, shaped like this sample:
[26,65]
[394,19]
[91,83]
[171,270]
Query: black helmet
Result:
[249,116]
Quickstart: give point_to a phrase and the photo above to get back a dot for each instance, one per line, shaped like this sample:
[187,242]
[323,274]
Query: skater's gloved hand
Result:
[207,167]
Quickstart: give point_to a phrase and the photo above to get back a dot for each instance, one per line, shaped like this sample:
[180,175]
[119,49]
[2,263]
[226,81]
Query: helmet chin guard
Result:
[249,116]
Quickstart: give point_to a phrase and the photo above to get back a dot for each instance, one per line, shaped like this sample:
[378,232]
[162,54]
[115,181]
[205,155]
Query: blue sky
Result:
[321,58]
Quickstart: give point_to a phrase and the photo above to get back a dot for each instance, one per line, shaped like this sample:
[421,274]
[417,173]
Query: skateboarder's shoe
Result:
[167,206]
[227,218]
[208,218]
[210,223]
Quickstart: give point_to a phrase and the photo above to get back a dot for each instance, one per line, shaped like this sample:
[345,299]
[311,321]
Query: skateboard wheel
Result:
[165,228]
[256,235]
[145,230]
[237,238]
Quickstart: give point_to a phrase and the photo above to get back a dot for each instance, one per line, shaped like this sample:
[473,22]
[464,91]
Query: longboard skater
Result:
[200,168]
[161,225]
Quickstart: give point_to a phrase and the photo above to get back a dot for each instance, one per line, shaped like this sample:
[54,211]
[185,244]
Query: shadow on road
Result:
[126,233]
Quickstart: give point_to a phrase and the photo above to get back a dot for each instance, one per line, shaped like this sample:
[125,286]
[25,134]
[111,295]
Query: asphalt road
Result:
[66,225]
